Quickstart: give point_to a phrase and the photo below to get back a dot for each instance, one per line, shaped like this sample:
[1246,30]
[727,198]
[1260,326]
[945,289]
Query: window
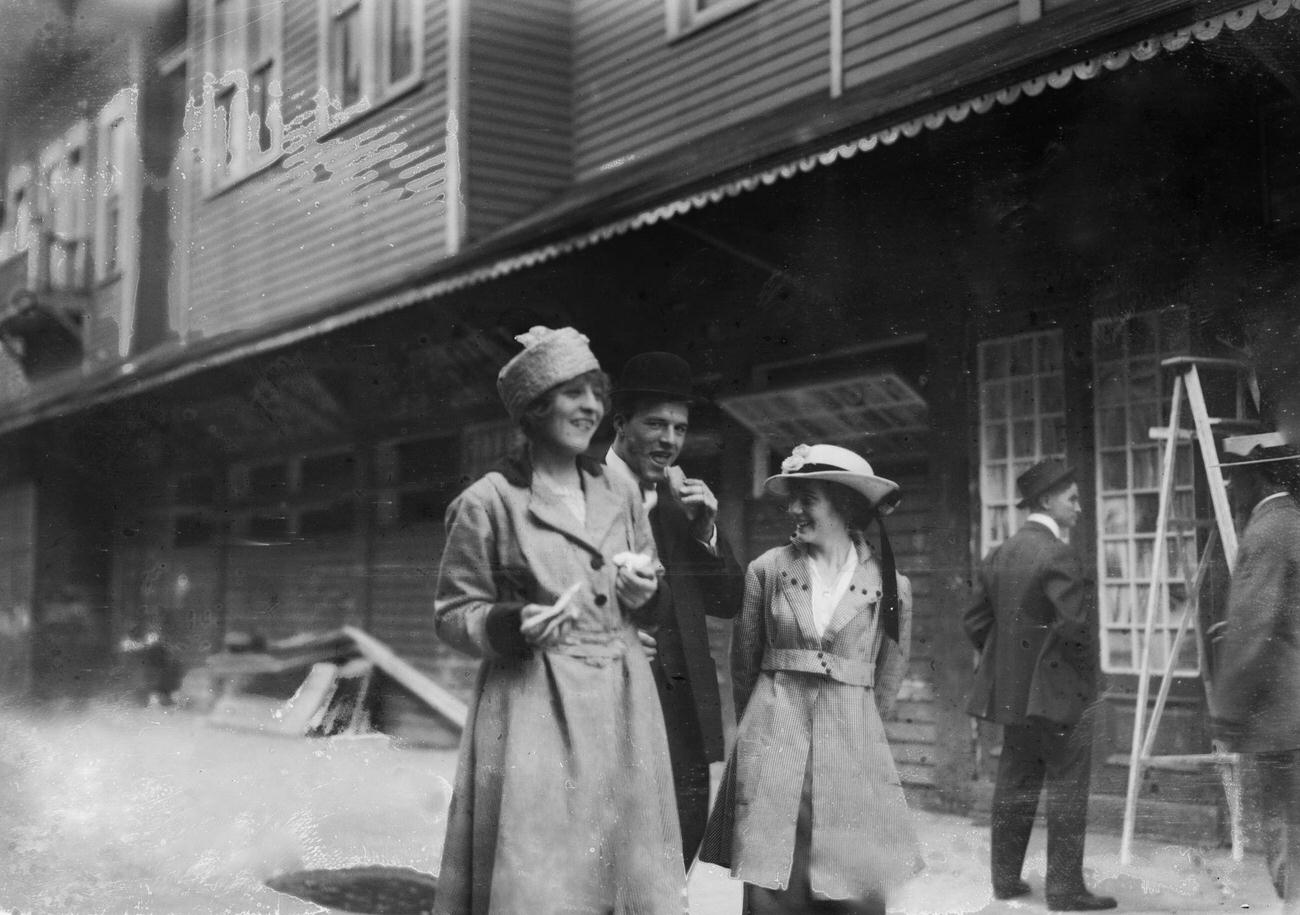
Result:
[1022,422]
[307,496]
[241,91]
[64,211]
[686,16]
[369,53]
[1132,397]
[16,224]
[119,178]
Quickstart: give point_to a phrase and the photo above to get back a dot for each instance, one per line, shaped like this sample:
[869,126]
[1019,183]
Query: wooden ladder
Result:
[1187,383]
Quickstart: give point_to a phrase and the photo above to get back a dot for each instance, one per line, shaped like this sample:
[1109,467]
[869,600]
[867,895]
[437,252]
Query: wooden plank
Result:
[410,677]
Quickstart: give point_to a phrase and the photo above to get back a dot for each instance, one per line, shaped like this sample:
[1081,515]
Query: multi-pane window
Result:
[244,125]
[685,16]
[1132,397]
[119,171]
[65,211]
[1022,422]
[308,496]
[369,53]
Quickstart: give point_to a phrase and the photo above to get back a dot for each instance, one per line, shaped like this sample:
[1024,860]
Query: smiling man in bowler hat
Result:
[1033,617]
[651,416]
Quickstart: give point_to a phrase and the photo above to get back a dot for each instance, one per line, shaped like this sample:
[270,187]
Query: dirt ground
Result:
[143,811]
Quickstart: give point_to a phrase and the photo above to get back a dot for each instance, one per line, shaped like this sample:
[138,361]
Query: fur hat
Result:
[550,357]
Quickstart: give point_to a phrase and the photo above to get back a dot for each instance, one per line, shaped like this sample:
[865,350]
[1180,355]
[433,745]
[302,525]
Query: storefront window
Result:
[1022,422]
[1132,397]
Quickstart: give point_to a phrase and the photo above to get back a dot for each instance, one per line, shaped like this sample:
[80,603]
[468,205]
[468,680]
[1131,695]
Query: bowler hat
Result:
[656,374]
[1041,479]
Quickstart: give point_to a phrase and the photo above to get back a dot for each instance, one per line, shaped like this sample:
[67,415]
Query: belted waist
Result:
[822,663]
[596,647]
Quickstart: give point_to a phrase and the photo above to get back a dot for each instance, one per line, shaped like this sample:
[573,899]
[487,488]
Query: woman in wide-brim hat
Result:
[811,813]
[563,801]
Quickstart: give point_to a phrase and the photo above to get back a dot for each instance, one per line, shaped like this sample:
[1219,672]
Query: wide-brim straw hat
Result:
[834,464]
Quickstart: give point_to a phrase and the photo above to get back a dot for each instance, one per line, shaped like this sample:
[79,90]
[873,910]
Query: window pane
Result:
[259,108]
[1052,392]
[1116,559]
[226,37]
[1117,604]
[401,39]
[1053,430]
[221,122]
[1145,509]
[1022,397]
[995,442]
[995,483]
[1114,427]
[995,359]
[346,45]
[1114,471]
[1114,515]
[1023,439]
[1146,468]
[995,400]
[1022,356]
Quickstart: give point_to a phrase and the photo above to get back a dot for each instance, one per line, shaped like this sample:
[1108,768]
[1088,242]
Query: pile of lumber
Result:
[317,685]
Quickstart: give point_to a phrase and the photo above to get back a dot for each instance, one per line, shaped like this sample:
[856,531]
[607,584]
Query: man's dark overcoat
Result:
[1258,688]
[699,585]
[1033,617]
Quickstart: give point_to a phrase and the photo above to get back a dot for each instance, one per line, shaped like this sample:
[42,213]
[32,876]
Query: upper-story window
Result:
[244,124]
[64,210]
[686,16]
[119,185]
[370,52]
[16,224]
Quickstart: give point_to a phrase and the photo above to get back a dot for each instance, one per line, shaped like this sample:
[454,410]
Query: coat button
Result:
[597,562]
[601,600]
[820,656]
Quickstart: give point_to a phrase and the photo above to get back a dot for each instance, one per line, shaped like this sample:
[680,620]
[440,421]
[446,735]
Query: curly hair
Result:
[537,411]
[849,504]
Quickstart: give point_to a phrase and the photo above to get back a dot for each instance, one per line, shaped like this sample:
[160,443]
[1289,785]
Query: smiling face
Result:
[650,439]
[816,521]
[567,425]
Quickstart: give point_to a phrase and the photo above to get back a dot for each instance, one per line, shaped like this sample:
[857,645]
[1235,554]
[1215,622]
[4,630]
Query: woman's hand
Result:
[635,585]
[544,625]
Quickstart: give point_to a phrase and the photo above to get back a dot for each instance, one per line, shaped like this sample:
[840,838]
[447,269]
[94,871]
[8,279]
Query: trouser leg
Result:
[1279,781]
[1068,753]
[1015,801]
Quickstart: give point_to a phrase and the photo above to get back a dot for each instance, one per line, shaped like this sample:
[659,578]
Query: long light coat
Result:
[563,802]
[814,697]
[1257,692]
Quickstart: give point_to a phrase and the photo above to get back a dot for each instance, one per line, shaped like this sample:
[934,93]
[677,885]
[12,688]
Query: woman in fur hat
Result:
[811,813]
[563,801]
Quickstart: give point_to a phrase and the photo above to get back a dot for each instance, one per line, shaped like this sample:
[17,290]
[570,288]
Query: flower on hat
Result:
[538,334]
[796,460]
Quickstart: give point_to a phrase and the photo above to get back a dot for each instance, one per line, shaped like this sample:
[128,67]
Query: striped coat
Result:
[803,696]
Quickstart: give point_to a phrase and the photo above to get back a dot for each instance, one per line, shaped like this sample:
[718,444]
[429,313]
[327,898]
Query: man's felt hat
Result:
[1041,479]
[656,375]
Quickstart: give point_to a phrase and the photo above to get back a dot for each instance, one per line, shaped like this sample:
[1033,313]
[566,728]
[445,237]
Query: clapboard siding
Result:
[635,93]
[281,590]
[335,217]
[519,136]
[883,36]
[404,577]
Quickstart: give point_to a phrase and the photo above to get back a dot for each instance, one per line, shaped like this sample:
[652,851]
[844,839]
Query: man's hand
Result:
[699,501]
[649,644]
[635,585]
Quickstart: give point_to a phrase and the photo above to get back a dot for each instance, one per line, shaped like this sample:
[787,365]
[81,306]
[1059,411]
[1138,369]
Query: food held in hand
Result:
[637,563]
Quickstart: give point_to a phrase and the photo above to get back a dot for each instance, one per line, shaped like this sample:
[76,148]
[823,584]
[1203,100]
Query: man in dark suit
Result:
[651,416]
[1033,618]
[1256,693]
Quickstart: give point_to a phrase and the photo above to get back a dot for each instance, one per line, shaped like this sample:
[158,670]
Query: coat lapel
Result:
[796,584]
[604,506]
[862,593]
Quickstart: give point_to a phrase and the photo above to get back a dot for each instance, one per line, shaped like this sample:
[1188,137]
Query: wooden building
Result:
[960,235]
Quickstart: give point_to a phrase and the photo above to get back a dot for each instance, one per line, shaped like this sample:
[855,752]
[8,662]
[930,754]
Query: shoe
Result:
[1082,901]
[1011,890]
